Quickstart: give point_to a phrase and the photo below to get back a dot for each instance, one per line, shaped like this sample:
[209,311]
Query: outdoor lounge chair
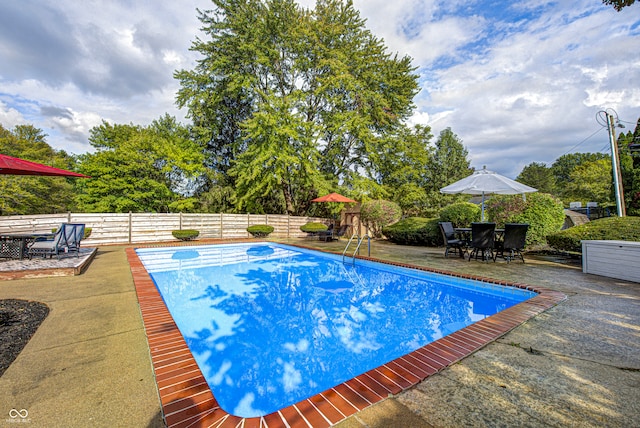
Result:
[515,237]
[450,240]
[482,240]
[66,240]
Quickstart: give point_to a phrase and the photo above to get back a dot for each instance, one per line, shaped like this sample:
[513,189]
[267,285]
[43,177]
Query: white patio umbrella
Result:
[485,182]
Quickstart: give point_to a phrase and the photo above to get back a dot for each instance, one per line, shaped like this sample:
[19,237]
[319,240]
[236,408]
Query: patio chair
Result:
[66,240]
[482,240]
[332,234]
[325,235]
[459,246]
[515,237]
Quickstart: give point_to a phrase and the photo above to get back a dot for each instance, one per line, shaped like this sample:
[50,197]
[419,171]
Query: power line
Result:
[581,142]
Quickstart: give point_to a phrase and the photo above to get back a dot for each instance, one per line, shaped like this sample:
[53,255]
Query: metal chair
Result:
[450,239]
[482,240]
[515,237]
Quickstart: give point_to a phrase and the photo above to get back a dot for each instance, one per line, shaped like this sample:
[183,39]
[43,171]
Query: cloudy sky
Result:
[518,81]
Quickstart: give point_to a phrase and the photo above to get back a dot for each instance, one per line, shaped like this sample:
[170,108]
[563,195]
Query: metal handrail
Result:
[357,250]
[358,247]
[355,235]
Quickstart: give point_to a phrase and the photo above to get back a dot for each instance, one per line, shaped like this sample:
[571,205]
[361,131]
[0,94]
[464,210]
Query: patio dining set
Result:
[484,241]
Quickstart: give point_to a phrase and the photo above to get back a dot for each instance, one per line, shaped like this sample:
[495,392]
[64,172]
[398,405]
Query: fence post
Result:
[68,216]
[130,226]
[180,221]
[221,224]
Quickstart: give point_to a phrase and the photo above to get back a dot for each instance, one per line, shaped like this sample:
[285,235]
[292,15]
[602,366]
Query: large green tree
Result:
[292,102]
[399,164]
[590,181]
[140,169]
[30,194]
[630,168]
[538,176]
[448,164]
[562,170]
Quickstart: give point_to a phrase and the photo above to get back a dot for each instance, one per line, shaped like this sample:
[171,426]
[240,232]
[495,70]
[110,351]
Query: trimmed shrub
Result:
[379,213]
[185,234]
[461,214]
[609,228]
[313,227]
[260,230]
[543,212]
[414,231]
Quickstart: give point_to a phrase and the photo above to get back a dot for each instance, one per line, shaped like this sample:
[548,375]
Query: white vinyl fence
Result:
[131,228]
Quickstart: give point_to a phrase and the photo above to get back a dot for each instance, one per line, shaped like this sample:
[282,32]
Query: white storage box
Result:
[615,259]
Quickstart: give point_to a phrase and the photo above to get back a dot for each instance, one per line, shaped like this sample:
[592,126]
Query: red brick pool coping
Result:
[187,400]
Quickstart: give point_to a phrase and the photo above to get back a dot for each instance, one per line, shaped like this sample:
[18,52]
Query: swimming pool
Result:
[305,321]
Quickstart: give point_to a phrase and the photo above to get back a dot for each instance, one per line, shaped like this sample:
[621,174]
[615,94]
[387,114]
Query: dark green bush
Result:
[543,212]
[260,230]
[414,231]
[609,228]
[461,214]
[313,227]
[185,234]
[379,213]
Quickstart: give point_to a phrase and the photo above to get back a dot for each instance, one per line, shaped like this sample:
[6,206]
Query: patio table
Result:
[465,233]
[15,245]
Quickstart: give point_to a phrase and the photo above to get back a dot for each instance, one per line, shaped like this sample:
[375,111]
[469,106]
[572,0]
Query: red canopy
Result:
[333,197]
[16,166]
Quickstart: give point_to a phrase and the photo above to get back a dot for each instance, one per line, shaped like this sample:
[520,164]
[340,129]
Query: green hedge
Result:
[260,230]
[544,213]
[185,234]
[414,231]
[610,228]
[461,214]
[313,227]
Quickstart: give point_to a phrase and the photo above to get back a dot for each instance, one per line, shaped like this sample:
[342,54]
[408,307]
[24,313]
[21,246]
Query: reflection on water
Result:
[271,325]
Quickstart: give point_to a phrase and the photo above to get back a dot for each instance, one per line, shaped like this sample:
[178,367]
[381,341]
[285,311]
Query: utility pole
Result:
[615,163]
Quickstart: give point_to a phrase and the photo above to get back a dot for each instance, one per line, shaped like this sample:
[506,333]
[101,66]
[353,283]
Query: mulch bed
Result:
[19,320]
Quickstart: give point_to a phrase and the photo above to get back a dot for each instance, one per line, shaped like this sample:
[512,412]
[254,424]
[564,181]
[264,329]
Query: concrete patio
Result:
[577,364]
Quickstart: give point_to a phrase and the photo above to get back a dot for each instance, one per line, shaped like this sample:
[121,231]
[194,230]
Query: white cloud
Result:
[10,117]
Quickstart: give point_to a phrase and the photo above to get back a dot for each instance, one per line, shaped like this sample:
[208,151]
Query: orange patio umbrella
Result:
[333,197]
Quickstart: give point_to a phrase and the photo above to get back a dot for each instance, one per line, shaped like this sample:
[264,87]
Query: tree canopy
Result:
[140,169]
[538,176]
[286,104]
[292,102]
[619,4]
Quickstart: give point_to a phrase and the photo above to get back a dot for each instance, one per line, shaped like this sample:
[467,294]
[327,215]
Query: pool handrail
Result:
[357,250]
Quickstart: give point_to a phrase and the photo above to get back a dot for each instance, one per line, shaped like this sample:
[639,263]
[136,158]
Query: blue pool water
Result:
[270,325]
